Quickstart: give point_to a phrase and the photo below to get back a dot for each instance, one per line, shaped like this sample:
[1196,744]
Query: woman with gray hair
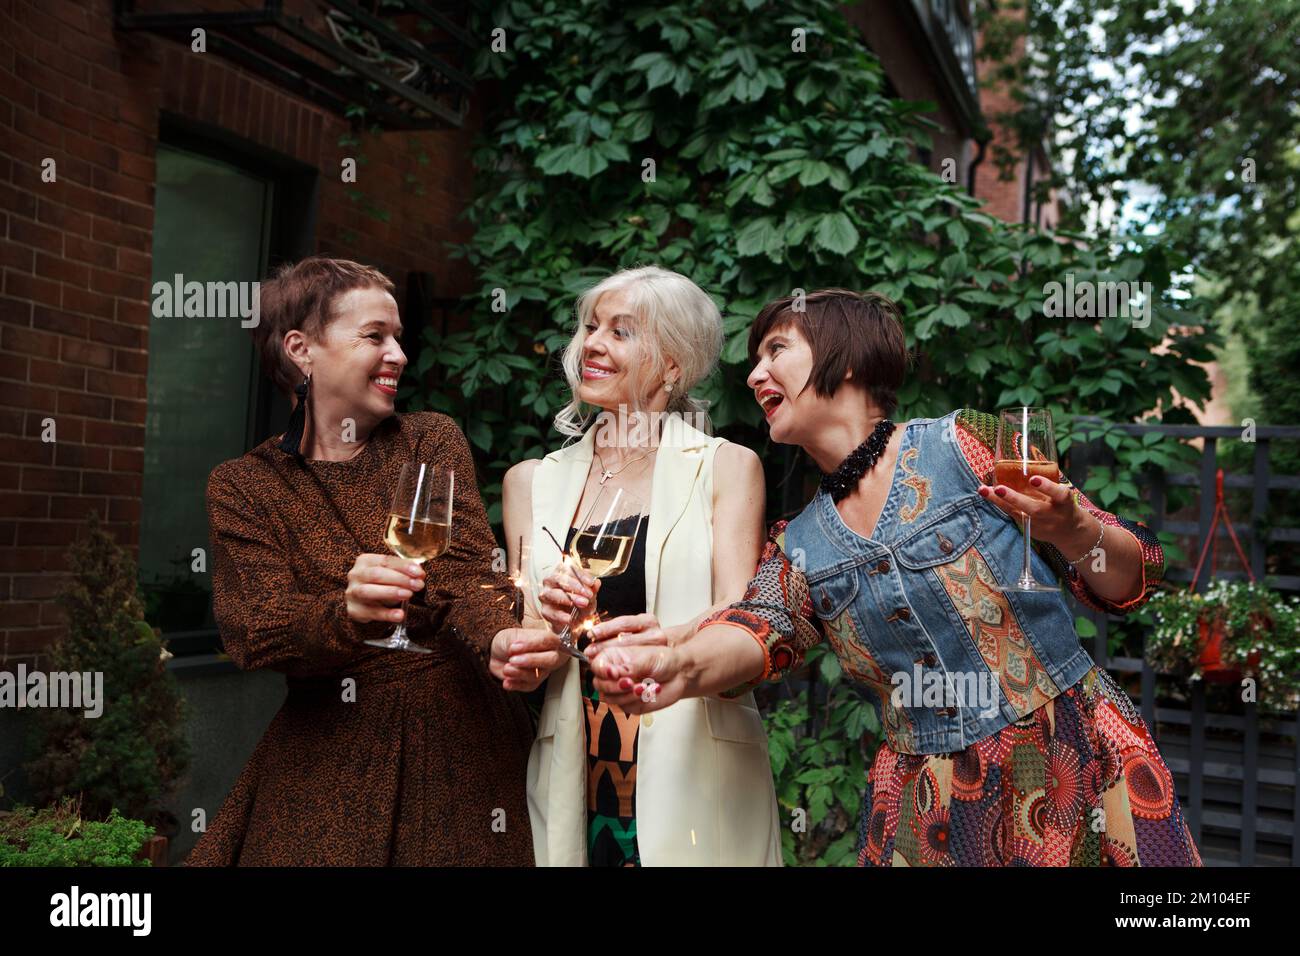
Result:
[692,785]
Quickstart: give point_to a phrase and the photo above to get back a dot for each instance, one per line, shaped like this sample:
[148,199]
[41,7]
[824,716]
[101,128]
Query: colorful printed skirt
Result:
[1077,782]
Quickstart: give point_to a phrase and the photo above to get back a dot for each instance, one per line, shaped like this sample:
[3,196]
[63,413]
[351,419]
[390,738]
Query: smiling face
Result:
[784,365]
[613,372]
[356,363]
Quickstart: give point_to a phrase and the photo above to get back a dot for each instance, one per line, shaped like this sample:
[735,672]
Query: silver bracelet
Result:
[1101,532]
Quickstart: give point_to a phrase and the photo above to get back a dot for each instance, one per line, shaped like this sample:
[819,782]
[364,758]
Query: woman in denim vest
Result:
[1004,744]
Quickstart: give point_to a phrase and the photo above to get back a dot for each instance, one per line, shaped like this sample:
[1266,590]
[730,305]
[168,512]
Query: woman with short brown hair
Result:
[377,756]
[1003,743]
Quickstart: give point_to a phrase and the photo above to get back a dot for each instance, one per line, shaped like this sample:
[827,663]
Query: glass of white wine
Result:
[602,546]
[419,528]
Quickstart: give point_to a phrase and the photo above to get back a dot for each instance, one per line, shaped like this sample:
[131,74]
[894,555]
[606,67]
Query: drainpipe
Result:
[970,171]
[1029,186]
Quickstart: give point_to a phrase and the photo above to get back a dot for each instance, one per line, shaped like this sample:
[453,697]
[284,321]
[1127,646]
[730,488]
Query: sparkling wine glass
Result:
[419,528]
[602,546]
[1026,448]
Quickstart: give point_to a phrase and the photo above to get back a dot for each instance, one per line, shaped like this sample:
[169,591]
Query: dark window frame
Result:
[289,235]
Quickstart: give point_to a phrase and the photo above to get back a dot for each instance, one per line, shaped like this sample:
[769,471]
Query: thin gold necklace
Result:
[606,474]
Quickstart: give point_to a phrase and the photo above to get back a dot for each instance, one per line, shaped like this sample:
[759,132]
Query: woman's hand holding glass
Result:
[566,588]
[1056,517]
[377,582]
[630,629]
[1028,486]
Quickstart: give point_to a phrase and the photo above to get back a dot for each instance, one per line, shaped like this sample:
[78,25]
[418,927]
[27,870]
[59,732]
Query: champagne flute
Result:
[1026,448]
[602,546]
[419,528]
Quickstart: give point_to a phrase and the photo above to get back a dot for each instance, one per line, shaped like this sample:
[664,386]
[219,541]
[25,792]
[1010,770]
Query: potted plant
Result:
[1234,629]
[59,836]
[129,757]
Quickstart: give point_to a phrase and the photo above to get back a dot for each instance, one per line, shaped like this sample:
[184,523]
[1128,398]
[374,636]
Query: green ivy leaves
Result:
[580,160]
[695,137]
[835,233]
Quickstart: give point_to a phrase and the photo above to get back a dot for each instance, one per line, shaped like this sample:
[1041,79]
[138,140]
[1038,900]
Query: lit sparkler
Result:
[516,590]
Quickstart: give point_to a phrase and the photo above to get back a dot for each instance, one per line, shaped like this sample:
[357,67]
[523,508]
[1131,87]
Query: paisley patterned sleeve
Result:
[977,435]
[776,610]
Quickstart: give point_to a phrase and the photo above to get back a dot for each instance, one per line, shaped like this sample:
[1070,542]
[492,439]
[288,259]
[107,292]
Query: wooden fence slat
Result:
[1229,772]
[1276,483]
[1242,528]
[1209,465]
[1289,432]
[1196,776]
[1281,726]
[1249,786]
[1259,509]
[1295,806]
[1280,582]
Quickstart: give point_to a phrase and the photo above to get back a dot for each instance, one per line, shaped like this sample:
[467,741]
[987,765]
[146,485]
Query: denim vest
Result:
[911,611]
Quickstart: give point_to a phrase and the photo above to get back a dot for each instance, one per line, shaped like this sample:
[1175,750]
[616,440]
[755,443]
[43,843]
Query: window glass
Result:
[211,224]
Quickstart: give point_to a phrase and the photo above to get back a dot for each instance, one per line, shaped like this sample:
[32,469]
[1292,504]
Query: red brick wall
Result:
[1005,197]
[897,46]
[890,37]
[75,255]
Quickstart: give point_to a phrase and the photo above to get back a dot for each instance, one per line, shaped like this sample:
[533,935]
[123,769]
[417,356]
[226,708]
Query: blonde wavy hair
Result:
[675,319]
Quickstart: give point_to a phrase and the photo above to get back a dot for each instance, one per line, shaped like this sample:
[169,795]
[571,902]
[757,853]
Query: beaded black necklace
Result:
[862,459]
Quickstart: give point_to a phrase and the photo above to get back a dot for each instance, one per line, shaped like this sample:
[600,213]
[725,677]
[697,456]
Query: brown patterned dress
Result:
[377,757]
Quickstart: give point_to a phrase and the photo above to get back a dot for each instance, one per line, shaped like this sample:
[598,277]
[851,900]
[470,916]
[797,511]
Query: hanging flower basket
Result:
[1233,631]
[1215,662]
[1210,660]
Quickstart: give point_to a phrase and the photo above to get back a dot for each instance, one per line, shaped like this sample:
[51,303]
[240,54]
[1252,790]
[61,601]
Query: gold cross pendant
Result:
[606,475]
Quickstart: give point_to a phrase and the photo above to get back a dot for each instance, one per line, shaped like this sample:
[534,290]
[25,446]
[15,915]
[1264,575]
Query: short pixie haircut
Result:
[301,295]
[847,331]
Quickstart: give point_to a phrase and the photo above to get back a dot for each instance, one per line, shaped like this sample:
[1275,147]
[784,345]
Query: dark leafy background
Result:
[774,170]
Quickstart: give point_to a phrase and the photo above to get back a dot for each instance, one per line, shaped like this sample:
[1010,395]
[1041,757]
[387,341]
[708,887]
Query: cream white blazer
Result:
[704,791]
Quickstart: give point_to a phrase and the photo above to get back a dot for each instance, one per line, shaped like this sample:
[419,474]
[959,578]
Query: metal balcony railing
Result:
[407,69]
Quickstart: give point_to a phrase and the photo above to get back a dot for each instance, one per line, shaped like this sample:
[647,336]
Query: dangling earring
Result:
[292,442]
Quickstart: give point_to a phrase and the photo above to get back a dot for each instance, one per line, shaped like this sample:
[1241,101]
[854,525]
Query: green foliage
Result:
[1116,486]
[821,773]
[58,836]
[130,756]
[1167,95]
[1261,636]
[1184,123]
[773,170]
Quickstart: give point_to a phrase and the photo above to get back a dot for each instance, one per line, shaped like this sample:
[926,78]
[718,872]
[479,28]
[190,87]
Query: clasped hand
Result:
[522,658]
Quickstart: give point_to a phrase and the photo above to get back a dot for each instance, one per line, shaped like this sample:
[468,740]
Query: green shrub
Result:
[820,765]
[58,836]
[130,757]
